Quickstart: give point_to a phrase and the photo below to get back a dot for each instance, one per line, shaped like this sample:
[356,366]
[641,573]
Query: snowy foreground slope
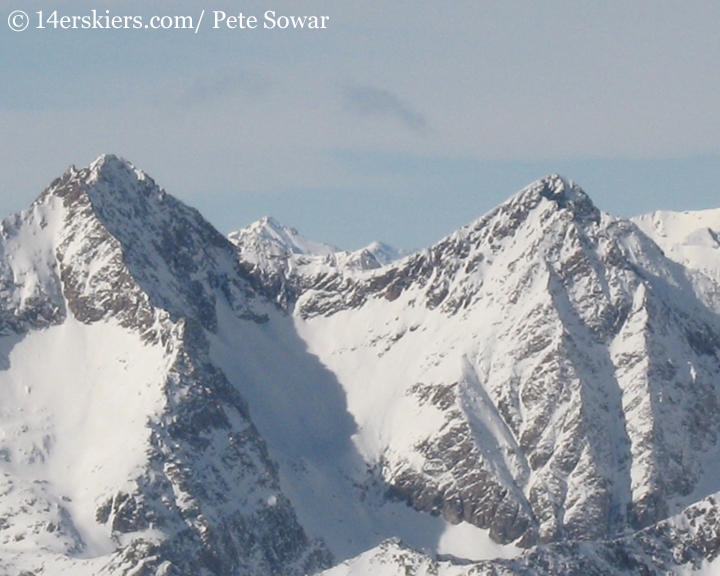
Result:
[535,394]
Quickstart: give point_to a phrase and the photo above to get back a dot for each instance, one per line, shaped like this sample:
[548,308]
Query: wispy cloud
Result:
[368,101]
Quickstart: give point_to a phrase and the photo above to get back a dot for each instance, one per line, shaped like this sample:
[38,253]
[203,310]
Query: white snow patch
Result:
[472,543]
[93,388]
[690,238]
[706,568]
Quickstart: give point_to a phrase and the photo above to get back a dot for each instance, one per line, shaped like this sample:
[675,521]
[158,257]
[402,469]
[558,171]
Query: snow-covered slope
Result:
[691,239]
[538,393]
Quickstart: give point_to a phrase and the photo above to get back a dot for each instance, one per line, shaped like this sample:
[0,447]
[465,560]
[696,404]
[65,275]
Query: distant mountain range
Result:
[536,394]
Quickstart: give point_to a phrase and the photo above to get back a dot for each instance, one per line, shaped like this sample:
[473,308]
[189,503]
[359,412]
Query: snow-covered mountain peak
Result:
[107,180]
[112,182]
[268,235]
[110,167]
[384,253]
[558,299]
[552,193]
[286,263]
[559,189]
[125,448]
[535,228]
[108,231]
[556,186]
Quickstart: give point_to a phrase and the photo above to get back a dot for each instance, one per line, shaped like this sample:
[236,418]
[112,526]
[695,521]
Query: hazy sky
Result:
[401,121]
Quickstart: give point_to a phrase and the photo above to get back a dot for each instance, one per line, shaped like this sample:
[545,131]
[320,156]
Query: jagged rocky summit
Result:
[537,393]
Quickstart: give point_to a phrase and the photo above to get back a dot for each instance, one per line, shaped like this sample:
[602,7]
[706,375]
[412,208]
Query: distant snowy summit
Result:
[267,235]
[286,263]
[266,240]
[690,238]
[536,394]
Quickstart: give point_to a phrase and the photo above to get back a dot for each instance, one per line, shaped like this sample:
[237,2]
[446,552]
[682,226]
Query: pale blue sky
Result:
[402,121]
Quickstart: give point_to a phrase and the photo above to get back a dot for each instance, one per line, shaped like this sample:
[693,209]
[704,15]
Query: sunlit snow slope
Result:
[692,239]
